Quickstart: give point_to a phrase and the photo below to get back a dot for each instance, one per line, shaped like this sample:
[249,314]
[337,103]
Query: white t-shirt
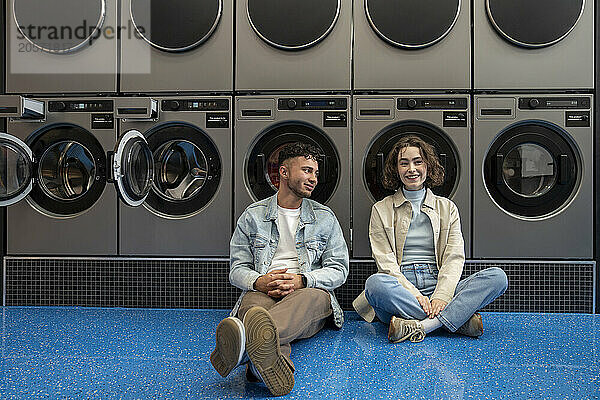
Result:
[286,255]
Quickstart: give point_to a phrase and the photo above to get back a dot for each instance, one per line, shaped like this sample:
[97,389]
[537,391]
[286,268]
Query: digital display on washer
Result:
[553,102]
[312,104]
[195,105]
[80,106]
[432,104]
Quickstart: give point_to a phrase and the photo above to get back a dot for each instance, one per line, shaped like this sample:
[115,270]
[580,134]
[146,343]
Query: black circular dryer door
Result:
[534,23]
[382,146]
[175,25]
[187,170]
[412,24]
[532,170]
[262,164]
[60,26]
[70,172]
[293,24]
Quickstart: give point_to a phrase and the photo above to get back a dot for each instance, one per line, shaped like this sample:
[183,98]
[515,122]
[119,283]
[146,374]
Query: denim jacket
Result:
[322,251]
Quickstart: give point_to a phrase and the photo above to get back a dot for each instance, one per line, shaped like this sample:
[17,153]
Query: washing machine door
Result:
[412,24]
[262,163]
[534,23]
[381,146]
[69,172]
[532,170]
[133,168]
[293,25]
[175,26]
[61,26]
[16,169]
[187,170]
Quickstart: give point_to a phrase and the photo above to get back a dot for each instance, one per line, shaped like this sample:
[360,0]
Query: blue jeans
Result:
[389,298]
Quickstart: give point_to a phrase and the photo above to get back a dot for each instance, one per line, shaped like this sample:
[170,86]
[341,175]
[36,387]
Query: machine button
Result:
[173,105]
[411,103]
[60,105]
[533,103]
[291,103]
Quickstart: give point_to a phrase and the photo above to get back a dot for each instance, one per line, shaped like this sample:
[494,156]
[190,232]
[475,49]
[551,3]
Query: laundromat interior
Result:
[134,133]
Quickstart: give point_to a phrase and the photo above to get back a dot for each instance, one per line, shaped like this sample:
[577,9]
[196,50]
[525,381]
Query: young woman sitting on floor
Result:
[418,247]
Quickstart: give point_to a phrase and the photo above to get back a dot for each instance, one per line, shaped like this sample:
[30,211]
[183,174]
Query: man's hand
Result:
[278,283]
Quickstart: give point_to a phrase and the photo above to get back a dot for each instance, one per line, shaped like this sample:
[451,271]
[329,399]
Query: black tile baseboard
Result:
[548,286]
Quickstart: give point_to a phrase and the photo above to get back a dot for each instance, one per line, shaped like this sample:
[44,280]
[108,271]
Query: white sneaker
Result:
[231,346]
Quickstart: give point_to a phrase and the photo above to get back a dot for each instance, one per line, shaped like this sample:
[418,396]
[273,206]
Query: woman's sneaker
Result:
[402,329]
[473,327]
[231,346]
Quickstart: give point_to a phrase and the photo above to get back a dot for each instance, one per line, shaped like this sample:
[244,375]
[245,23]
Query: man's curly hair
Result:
[299,149]
[435,171]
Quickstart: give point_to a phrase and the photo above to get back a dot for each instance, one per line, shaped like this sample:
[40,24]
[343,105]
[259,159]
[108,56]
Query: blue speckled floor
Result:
[139,353]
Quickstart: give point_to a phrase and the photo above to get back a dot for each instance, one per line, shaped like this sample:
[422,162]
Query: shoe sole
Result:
[262,346]
[230,346]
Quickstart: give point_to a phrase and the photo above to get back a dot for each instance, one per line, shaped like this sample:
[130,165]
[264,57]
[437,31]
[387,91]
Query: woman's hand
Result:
[437,306]
[425,304]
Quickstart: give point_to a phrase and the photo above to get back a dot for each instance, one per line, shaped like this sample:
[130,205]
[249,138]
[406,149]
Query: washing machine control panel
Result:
[547,103]
[431,104]
[312,104]
[80,106]
[195,105]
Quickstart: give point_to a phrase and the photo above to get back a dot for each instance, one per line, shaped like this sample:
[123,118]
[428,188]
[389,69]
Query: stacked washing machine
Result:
[134,94]
[292,80]
[533,130]
[412,75]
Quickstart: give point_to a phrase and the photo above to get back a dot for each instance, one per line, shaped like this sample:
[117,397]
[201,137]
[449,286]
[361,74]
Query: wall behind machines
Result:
[540,285]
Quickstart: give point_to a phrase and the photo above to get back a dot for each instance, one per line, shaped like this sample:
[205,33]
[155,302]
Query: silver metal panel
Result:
[208,67]
[91,69]
[568,64]
[206,234]
[324,66]
[248,131]
[499,235]
[381,66]
[30,232]
[364,133]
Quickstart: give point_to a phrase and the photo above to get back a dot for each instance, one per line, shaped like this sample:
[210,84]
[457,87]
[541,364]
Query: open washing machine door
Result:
[16,169]
[67,169]
[293,25]
[412,24]
[262,164]
[175,26]
[132,168]
[374,162]
[547,21]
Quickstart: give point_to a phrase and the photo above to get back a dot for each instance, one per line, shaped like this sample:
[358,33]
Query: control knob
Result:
[60,105]
[411,103]
[173,105]
[533,103]
[291,103]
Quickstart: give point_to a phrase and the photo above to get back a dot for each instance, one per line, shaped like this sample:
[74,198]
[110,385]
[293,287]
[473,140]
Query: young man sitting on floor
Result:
[288,254]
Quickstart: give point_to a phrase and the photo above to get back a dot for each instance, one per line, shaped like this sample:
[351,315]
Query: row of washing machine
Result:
[141,46]
[167,176]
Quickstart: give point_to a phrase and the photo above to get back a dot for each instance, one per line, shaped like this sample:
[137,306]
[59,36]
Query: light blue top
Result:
[319,242]
[418,247]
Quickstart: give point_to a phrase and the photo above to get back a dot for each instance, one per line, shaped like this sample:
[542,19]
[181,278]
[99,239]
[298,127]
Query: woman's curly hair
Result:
[435,171]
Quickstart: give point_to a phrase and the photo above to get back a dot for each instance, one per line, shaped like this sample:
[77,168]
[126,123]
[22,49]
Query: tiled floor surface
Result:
[81,353]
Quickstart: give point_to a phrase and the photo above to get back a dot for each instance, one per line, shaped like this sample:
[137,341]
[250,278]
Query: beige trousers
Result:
[299,315]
